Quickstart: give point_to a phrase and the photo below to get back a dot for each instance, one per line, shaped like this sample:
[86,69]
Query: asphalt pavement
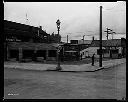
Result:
[109,83]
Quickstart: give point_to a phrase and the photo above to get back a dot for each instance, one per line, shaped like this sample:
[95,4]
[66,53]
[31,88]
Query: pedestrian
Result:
[93,59]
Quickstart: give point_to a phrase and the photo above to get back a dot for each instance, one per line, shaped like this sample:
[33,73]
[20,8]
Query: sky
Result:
[77,18]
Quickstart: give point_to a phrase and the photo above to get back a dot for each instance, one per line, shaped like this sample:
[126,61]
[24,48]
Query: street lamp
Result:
[58,49]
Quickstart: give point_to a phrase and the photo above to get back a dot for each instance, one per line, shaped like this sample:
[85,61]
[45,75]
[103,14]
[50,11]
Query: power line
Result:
[81,35]
[117,10]
[121,33]
[109,8]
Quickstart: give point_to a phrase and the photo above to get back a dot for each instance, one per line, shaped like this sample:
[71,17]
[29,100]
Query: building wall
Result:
[106,55]
[120,49]
[71,52]
[31,50]
[89,52]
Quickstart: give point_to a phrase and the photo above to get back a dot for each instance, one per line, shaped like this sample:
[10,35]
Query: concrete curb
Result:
[106,67]
[27,69]
[100,68]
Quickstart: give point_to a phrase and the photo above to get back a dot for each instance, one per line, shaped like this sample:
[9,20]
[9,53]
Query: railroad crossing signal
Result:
[109,31]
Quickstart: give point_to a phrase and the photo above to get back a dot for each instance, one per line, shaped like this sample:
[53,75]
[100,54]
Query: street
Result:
[103,84]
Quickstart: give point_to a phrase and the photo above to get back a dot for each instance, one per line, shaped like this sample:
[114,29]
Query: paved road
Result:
[104,84]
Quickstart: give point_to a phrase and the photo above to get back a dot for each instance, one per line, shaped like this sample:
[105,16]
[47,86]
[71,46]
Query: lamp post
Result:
[58,49]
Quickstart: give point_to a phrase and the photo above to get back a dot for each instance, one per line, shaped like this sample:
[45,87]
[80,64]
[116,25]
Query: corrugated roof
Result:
[112,42]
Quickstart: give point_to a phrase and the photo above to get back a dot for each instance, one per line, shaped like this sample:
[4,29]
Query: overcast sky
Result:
[77,18]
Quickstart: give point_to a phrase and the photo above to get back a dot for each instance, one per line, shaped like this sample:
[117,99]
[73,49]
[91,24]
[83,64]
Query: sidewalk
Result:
[68,68]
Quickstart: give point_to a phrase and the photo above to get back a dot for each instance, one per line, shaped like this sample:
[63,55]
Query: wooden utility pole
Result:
[67,38]
[83,39]
[93,38]
[100,60]
[107,33]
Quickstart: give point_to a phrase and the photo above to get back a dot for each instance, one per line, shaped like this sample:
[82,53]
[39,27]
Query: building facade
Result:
[27,50]
[27,42]
[71,52]
[113,48]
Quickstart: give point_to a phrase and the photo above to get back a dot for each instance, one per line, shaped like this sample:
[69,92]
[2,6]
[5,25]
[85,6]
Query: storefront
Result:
[26,50]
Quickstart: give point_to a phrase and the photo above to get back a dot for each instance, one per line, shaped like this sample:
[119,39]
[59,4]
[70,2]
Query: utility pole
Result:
[67,38]
[83,39]
[100,60]
[26,19]
[107,33]
[38,31]
[93,38]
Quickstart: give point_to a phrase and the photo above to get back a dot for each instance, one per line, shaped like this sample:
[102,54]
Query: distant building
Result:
[75,49]
[71,52]
[74,41]
[79,49]
[113,48]
[82,46]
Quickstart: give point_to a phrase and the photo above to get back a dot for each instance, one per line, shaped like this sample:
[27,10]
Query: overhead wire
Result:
[80,35]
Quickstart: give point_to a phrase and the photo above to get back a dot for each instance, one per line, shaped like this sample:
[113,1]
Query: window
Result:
[28,53]
[14,53]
